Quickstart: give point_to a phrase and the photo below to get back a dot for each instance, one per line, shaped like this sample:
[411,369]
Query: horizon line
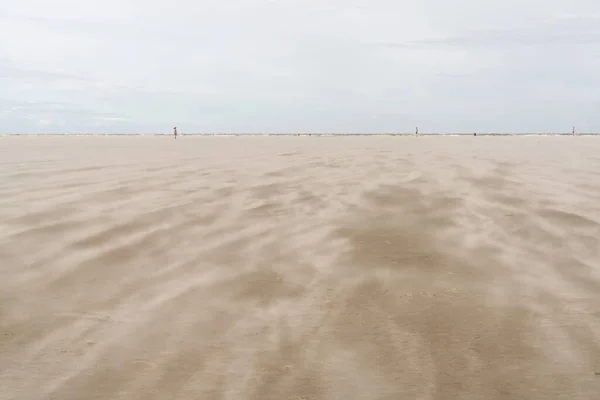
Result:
[313,134]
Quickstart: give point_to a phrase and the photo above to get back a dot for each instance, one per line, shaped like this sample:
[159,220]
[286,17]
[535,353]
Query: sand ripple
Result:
[299,268]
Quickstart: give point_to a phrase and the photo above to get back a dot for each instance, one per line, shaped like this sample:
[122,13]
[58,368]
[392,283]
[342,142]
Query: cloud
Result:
[104,118]
[254,65]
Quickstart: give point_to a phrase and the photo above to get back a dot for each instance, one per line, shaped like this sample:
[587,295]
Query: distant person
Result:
[175,132]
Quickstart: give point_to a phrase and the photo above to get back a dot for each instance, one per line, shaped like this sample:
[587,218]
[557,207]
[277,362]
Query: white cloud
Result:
[288,65]
[111,118]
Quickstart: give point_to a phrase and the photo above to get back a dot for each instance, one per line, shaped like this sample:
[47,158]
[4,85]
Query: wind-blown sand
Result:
[299,268]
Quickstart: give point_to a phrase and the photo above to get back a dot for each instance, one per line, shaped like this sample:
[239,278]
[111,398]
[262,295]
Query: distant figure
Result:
[175,132]
[475,134]
[417,131]
[573,131]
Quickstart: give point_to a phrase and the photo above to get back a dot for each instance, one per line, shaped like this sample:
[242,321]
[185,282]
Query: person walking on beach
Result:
[175,132]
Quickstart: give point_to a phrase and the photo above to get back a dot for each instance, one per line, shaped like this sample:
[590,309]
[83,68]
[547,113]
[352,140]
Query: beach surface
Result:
[275,268]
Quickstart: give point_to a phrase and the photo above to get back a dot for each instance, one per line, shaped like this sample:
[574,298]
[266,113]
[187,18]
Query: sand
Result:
[299,268]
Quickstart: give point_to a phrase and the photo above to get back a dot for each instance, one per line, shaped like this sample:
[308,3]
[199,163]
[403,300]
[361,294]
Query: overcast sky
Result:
[128,66]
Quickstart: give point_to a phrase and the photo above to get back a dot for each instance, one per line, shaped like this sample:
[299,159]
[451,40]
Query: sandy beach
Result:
[273,268]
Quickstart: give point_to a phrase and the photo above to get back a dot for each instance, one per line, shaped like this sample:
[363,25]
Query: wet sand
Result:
[299,268]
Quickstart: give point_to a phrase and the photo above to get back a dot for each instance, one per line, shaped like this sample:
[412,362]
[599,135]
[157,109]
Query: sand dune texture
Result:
[275,268]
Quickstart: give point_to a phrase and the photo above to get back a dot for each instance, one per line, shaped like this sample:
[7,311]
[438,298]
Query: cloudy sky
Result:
[299,65]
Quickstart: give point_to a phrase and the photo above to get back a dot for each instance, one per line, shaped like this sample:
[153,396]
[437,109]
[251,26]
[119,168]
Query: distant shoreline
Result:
[299,134]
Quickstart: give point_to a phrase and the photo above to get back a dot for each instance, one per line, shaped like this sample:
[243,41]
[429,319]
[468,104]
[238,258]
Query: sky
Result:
[145,66]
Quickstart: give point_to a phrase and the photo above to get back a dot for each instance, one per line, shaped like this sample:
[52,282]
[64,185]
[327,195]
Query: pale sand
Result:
[299,268]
